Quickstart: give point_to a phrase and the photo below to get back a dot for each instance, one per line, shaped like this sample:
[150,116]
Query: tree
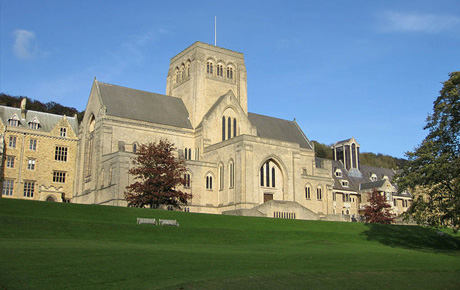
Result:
[158,174]
[433,171]
[378,212]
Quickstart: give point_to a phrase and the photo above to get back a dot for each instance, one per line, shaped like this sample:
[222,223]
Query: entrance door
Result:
[268,197]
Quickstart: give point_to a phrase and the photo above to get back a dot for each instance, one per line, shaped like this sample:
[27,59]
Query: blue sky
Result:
[367,69]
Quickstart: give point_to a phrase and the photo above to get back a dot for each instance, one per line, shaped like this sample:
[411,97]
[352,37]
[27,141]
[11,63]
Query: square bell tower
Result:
[202,73]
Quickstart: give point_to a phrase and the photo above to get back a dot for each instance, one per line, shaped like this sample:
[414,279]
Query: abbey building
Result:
[238,162]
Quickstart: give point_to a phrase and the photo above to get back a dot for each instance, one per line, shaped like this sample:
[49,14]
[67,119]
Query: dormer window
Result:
[344,183]
[63,132]
[14,121]
[373,177]
[338,173]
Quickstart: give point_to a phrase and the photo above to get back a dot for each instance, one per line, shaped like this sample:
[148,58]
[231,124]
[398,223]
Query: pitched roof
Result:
[144,106]
[279,129]
[47,121]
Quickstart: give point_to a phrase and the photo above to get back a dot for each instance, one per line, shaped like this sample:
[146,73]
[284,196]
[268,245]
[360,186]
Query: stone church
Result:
[238,162]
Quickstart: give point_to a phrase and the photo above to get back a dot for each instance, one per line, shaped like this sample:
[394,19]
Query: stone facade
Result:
[38,154]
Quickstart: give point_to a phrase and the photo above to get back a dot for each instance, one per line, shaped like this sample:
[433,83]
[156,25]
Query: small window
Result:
[395,202]
[12,143]
[209,182]
[14,121]
[344,183]
[33,144]
[8,187]
[60,153]
[10,162]
[34,125]
[319,193]
[338,173]
[134,148]
[307,192]
[209,67]
[29,187]
[63,132]
[187,180]
[220,71]
[59,176]
[31,164]
[229,72]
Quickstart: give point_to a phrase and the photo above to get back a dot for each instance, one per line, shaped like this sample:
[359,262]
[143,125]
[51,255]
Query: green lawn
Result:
[61,246]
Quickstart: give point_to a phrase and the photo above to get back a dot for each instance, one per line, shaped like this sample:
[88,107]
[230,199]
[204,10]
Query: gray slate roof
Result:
[279,129]
[144,106]
[47,121]
[371,185]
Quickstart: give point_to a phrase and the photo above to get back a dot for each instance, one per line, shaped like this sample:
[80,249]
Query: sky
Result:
[364,69]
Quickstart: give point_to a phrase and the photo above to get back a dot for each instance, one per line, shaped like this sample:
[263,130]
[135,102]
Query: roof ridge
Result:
[124,87]
[271,117]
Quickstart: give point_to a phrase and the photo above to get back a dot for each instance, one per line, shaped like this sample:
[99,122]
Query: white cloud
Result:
[414,22]
[24,46]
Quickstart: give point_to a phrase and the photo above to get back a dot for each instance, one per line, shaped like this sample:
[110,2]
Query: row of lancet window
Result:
[268,175]
[228,128]
[319,192]
[182,72]
[219,70]
[188,153]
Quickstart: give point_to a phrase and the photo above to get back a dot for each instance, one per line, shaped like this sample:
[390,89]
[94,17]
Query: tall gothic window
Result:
[234,127]
[319,193]
[223,128]
[221,177]
[229,128]
[268,174]
[231,170]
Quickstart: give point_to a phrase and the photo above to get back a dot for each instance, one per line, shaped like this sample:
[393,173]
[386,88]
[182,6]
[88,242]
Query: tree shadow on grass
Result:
[412,237]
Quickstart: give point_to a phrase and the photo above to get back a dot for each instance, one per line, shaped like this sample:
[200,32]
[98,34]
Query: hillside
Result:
[57,246]
[366,158]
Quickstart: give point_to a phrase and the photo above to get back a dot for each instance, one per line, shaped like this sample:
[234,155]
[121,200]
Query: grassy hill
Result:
[62,246]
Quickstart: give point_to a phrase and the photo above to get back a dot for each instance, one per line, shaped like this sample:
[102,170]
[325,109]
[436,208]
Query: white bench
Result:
[168,222]
[146,221]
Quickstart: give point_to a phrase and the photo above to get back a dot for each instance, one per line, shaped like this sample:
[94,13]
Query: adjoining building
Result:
[38,154]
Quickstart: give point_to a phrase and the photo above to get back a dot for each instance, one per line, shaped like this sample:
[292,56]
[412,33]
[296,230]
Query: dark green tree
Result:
[433,172]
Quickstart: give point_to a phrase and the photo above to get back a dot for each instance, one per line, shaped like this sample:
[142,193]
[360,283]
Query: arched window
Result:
[319,194]
[223,128]
[307,192]
[187,68]
[231,170]
[229,128]
[221,177]
[89,145]
[188,153]
[187,180]
[183,72]
[209,67]
[177,75]
[229,72]
[134,147]
[209,182]
[220,70]
[268,174]
[262,176]
[234,127]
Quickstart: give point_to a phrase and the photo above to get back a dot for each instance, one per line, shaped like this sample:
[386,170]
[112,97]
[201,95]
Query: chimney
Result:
[23,108]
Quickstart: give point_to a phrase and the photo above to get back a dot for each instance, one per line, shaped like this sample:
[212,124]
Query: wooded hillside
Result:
[366,158]
[50,107]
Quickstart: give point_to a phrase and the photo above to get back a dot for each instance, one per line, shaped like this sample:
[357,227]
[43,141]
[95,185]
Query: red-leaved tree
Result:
[158,174]
[378,211]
